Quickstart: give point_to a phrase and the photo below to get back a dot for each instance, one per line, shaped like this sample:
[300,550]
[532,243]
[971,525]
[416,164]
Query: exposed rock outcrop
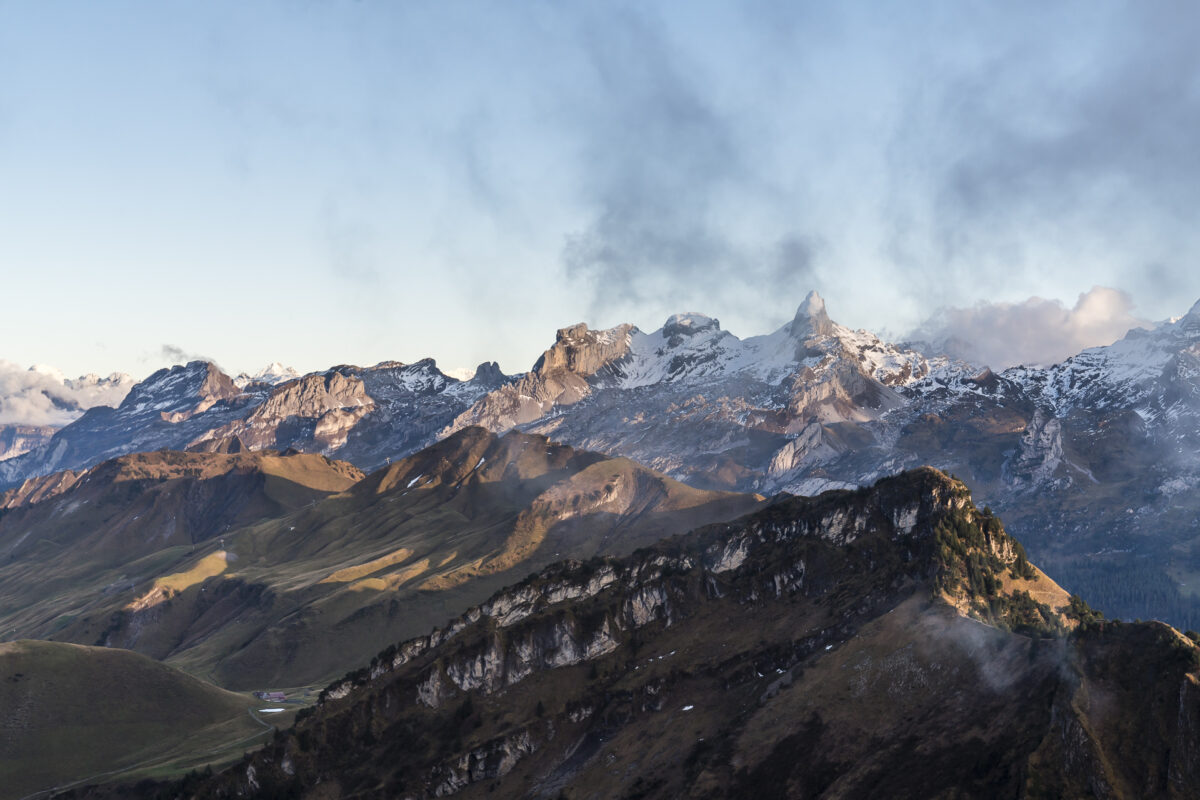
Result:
[798,652]
[16,440]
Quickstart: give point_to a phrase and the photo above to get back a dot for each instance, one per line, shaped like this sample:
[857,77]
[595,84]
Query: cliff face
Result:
[16,440]
[564,375]
[314,412]
[805,650]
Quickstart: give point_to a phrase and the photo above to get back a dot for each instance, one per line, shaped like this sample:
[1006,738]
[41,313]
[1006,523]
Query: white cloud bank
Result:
[41,395]
[1033,332]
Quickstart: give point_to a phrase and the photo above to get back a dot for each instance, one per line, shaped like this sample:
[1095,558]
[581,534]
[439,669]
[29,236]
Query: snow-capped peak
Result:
[692,346]
[276,373]
[687,324]
[273,374]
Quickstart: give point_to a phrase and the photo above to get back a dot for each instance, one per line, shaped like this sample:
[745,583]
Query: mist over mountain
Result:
[1036,332]
[42,396]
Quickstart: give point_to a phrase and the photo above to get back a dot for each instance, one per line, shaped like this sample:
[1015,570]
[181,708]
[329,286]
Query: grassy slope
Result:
[71,712]
[64,553]
[307,596]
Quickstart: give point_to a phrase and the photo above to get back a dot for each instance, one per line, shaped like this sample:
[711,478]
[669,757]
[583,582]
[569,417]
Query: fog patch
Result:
[42,395]
[1033,332]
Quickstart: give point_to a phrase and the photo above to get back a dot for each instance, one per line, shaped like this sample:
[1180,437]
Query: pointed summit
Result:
[1194,312]
[811,319]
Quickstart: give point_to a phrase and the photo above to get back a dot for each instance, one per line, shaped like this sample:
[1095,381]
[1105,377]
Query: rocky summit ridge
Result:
[371,413]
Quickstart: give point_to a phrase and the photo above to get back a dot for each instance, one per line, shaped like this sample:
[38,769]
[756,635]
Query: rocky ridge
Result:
[367,415]
[802,651]
[17,440]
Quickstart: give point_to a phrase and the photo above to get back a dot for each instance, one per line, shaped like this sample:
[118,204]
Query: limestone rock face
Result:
[584,352]
[810,447]
[181,392]
[16,440]
[330,405]
[1041,450]
[489,376]
[563,376]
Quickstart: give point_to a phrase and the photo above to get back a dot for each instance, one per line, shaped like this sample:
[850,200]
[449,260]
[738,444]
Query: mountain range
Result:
[655,565]
[1092,461]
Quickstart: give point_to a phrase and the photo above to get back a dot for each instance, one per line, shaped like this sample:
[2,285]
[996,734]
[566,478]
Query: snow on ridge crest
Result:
[688,323]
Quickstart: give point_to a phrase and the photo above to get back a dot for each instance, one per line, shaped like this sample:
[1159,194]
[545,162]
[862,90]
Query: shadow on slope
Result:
[72,713]
[70,541]
[296,600]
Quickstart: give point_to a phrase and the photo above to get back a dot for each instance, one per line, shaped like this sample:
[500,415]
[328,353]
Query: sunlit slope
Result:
[70,713]
[70,541]
[304,597]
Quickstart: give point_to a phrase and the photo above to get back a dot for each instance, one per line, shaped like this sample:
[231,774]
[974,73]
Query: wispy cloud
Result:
[173,354]
[1066,150]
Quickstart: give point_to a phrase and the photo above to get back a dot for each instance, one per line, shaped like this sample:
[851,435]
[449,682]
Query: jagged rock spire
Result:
[811,319]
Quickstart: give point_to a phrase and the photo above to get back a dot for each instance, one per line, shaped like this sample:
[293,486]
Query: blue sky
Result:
[332,182]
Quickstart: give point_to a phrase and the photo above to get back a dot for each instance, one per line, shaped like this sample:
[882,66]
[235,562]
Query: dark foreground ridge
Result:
[885,642]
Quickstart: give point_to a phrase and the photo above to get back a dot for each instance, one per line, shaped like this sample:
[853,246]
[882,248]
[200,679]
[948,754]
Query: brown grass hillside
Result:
[301,598]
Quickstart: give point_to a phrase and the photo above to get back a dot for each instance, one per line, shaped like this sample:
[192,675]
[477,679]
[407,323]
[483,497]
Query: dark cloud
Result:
[1072,142]
[662,169]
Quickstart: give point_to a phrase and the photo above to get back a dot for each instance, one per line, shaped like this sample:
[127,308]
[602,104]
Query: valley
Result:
[301,566]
